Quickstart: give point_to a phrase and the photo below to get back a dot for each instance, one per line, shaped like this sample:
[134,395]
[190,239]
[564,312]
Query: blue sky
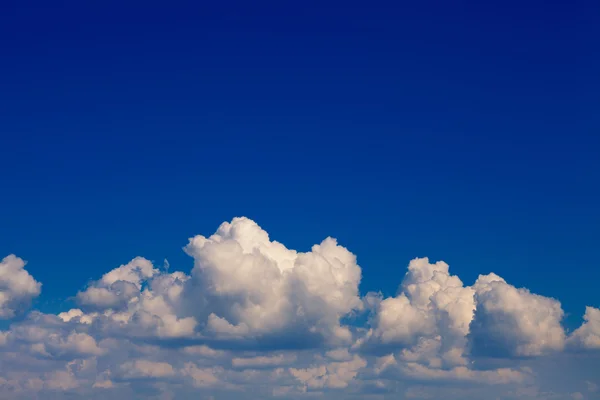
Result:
[461,132]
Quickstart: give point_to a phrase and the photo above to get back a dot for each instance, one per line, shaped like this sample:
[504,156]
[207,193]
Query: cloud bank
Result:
[254,319]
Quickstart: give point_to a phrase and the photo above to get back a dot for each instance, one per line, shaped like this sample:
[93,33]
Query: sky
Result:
[403,197]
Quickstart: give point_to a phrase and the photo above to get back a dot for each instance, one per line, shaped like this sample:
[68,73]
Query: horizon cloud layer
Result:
[254,318]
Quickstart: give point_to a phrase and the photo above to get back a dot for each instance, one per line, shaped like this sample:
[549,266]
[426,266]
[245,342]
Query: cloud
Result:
[146,304]
[431,313]
[498,376]
[117,287]
[201,377]
[17,287]
[514,322]
[263,361]
[202,350]
[45,336]
[437,320]
[255,319]
[249,287]
[334,375]
[587,336]
[146,369]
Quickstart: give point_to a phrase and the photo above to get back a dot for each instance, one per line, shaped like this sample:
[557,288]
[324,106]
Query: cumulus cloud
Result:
[243,287]
[248,286]
[437,320]
[117,287]
[45,335]
[587,336]
[435,327]
[135,300]
[255,319]
[17,287]
[431,314]
[515,322]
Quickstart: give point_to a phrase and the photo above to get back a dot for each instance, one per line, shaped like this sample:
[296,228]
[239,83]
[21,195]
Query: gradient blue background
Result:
[462,131]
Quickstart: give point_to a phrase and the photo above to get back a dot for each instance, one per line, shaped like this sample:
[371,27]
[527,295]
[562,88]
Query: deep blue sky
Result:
[461,131]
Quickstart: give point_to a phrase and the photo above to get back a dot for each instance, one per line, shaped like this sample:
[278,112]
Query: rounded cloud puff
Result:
[437,319]
[250,286]
[118,286]
[587,336]
[17,287]
[514,322]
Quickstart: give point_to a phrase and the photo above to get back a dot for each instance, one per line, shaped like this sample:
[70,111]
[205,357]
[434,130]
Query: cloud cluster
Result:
[440,323]
[254,318]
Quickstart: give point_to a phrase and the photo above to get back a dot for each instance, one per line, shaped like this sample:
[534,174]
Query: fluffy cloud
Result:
[17,287]
[249,287]
[254,319]
[243,288]
[588,335]
[438,320]
[135,300]
[514,322]
[117,287]
[45,336]
[430,316]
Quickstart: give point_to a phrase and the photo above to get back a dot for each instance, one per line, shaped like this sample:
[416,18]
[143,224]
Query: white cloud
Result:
[254,319]
[439,321]
[511,321]
[117,287]
[253,287]
[431,304]
[71,314]
[202,350]
[17,286]
[587,336]
[126,307]
[80,343]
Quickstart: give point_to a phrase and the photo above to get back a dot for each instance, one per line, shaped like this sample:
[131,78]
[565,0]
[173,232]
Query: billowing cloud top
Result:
[254,318]
[253,287]
[17,287]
